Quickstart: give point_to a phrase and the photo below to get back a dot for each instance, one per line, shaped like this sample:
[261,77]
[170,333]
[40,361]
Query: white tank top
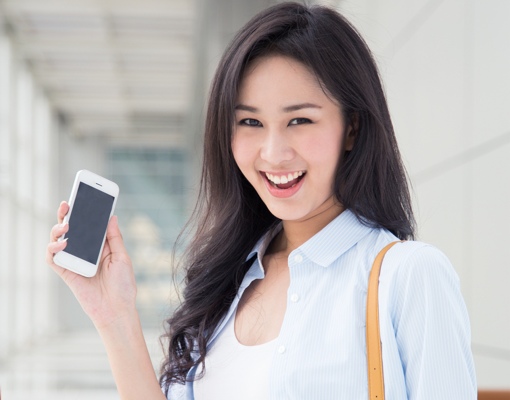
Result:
[235,371]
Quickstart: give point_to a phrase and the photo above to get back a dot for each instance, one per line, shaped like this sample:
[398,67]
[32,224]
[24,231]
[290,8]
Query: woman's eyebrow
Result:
[294,107]
[244,107]
[297,107]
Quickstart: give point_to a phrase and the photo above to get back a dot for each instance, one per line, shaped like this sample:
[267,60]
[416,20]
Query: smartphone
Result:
[91,203]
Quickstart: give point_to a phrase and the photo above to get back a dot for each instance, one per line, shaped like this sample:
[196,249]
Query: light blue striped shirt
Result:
[321,349]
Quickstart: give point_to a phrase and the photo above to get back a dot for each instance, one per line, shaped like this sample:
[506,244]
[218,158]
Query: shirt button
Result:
[281,349]
[298,258]
[294,298]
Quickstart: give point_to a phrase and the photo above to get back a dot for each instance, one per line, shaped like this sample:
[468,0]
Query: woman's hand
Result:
[108,298]
[110,294]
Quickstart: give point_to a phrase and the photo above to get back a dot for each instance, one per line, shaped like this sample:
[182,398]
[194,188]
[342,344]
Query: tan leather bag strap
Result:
[374,354]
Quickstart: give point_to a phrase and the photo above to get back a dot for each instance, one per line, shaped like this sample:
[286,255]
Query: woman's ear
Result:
[351,132]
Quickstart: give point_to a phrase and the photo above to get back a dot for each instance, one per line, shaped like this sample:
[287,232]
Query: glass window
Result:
[152,211]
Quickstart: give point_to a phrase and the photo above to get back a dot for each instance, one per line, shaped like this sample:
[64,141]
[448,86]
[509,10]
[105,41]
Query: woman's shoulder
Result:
[177,391]
[417,275]
[417,259]
[408,257]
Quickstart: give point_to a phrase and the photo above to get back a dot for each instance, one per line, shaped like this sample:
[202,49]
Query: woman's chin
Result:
[286,213]
[328,210]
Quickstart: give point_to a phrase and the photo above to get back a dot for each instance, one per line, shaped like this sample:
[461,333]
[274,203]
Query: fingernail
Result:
[63,225]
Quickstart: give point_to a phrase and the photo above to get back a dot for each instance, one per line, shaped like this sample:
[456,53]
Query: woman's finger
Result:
[106,253]
[54,247]
[62,211]
[57,231]
[114,238]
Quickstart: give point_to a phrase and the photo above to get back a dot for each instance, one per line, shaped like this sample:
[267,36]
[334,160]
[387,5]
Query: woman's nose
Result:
[276,147]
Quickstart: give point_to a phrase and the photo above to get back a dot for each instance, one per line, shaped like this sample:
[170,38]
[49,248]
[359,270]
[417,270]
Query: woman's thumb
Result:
[114,237]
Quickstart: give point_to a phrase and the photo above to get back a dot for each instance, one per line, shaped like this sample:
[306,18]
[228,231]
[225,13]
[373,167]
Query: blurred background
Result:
[119,87]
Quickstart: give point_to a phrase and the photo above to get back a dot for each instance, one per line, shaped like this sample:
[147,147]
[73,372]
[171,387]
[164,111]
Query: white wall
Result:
[446,67]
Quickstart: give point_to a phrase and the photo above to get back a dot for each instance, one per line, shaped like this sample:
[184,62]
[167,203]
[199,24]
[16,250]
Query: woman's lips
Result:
[285,188]
[283,178]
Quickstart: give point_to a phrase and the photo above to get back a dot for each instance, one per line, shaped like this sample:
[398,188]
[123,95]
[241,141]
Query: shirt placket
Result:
[280,386]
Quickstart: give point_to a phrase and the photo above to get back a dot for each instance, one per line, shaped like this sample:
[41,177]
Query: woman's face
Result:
[288,137]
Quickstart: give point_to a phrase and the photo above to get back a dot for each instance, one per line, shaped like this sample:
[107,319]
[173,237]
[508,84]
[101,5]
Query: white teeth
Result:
[284,178]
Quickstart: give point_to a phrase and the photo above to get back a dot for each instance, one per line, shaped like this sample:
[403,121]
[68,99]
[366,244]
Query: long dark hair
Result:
[230,217]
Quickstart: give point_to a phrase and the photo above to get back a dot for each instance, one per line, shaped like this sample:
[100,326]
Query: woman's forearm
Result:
[129,359]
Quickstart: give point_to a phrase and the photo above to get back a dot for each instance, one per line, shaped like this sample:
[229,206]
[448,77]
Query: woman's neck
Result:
[295,233]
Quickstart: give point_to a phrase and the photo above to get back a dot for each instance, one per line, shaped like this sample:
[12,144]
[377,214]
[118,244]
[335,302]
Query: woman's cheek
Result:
[244,150]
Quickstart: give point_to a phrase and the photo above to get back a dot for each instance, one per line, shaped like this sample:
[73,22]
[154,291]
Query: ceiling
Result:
[110,67]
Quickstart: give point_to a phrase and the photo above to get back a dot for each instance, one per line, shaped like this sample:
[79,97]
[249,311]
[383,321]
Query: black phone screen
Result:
[88,222]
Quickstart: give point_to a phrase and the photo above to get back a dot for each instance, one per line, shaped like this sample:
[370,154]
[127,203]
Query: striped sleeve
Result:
[432,328]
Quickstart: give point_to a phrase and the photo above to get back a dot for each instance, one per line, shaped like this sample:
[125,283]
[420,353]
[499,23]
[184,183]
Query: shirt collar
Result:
[324,247]
[334,239]
[257,270]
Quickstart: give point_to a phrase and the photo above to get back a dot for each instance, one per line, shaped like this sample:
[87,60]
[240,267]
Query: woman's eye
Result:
[299,121]
[250,122]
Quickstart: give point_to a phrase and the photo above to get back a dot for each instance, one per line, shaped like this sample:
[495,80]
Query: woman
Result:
[302,186]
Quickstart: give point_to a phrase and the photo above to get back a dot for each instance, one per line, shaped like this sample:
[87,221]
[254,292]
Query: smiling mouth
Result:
[284,181]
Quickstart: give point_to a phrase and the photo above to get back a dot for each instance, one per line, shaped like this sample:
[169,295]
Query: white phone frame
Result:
[67,260]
